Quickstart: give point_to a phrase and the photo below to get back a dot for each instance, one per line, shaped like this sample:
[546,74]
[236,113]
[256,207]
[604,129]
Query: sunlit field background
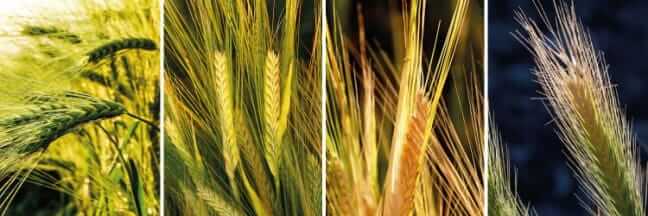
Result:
[12,10]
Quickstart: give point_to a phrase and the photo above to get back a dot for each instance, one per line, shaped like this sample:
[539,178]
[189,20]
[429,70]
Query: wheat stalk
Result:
[575,80]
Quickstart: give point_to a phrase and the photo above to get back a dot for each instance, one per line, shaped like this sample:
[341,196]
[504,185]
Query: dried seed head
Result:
[399,195]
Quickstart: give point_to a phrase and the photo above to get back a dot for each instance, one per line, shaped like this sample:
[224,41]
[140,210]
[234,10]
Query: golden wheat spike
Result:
[575,80]
[412,77]
[223,82]
[399,194]
[271,108]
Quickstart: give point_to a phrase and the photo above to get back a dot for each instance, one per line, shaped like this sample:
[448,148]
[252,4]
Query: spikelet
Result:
[399,194]
[217,203]
[254,159]
[271,108]
[575,80]
[222,83]
[340,199]
[502,200]
[313,183]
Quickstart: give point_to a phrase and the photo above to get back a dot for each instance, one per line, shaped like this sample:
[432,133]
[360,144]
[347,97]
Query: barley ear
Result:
[340,199]
[502,200]
[223,84]
[271,109]
[217,203]
[574,78]
[51,117]
[256,167]
[399,194]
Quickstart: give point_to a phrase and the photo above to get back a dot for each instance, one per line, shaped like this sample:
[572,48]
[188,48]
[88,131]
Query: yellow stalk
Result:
[260,207]
[286,93]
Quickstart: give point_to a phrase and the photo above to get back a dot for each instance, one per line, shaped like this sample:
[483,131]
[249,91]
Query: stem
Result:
[150,123]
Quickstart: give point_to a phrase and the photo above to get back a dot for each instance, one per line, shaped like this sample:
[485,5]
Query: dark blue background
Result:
[544,179]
